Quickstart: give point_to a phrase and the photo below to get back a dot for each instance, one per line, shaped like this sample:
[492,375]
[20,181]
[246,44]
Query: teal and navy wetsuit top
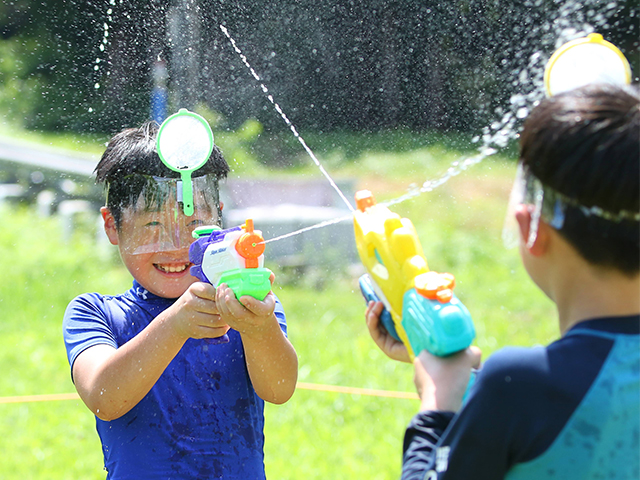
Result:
[570,410]
[202,419]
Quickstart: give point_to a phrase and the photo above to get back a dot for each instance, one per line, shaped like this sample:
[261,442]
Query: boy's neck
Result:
[619,298]
[582,291]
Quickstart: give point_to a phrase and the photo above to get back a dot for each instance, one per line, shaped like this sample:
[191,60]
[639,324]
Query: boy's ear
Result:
[523,217]
[109,225]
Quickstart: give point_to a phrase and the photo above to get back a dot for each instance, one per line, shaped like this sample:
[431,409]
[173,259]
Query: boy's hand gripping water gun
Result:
[421,309]
[233,256]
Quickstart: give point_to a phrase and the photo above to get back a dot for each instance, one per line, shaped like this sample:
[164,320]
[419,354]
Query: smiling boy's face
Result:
[154,246]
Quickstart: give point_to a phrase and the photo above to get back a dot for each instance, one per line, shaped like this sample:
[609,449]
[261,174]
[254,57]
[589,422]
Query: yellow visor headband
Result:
[586,60]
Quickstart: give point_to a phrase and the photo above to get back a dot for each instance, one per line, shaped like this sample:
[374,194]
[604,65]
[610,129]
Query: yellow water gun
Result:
[421,309]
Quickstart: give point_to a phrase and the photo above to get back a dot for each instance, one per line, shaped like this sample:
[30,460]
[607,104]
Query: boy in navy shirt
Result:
[171,400]
[570,410]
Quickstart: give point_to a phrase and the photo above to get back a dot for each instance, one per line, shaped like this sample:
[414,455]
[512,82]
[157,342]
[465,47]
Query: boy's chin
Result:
[171,285]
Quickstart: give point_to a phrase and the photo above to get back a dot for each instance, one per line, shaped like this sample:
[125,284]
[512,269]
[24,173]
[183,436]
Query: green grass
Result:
[317,434]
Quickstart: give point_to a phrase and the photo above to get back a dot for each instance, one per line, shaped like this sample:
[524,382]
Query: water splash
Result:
[326,223]
[285,118]
[100,59]
[526,76]
[574,20]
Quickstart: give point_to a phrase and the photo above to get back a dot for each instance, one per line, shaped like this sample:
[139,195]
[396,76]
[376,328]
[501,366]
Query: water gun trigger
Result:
[368,289]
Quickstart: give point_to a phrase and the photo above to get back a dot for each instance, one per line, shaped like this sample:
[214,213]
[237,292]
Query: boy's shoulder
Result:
[116,311]
[135,294]
[97,300]
[510,366]
[92,318]
[566,366]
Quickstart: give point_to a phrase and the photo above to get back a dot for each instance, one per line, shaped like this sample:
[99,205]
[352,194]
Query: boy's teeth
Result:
[172,269]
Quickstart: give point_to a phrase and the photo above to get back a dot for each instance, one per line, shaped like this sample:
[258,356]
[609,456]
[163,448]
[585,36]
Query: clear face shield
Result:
[528,190]
[156,222]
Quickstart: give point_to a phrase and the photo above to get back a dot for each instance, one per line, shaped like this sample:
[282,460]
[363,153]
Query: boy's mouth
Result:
[172,268]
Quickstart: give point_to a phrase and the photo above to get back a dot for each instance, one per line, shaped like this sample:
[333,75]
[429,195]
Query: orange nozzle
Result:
[364,200]
[435,286]
[250,245]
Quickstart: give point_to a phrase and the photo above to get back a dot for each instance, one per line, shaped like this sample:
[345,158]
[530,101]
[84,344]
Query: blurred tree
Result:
[330,64]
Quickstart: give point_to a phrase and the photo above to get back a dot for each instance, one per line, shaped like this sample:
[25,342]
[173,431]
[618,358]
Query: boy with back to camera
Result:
[171,399]
[570,410]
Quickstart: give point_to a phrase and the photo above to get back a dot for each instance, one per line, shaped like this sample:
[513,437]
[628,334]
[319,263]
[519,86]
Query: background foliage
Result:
[332,64]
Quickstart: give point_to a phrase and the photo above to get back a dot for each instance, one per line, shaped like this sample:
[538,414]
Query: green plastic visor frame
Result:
[184,144]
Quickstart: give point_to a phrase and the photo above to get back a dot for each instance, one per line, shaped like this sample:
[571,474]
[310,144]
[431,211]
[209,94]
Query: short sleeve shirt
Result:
[202,418]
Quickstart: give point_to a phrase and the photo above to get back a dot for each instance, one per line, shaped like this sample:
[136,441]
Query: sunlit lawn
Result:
[317,434]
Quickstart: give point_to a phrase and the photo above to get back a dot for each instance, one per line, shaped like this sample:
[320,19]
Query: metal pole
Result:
[184,43]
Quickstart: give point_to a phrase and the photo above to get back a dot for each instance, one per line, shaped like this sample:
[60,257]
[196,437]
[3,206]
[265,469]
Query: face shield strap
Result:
[549,205]
[535,190]
[510,230]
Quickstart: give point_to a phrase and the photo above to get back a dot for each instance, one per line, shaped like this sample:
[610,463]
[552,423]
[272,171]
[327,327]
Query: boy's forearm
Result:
[113,384]
[272,363]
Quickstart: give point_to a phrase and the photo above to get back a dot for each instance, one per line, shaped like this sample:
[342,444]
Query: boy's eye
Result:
[196,223]
[153,223]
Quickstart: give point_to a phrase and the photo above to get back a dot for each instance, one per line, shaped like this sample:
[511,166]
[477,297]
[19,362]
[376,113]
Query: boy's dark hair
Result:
[133,151]
[585,145]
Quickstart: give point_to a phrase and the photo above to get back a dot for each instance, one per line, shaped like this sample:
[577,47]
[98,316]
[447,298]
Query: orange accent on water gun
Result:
[250,245]
[435,286]
[364,200]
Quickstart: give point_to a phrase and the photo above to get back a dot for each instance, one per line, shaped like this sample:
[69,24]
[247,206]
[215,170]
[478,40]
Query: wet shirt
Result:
[202,418]
[568,410]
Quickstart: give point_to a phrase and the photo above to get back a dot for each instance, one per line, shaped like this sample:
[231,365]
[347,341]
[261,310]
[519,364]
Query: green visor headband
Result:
[185,142]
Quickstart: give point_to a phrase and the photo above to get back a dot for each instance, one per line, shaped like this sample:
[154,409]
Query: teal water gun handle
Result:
[442,328]
[472,381]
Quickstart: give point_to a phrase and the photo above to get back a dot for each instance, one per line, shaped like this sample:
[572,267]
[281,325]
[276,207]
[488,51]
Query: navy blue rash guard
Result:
[202,418]
[526,417]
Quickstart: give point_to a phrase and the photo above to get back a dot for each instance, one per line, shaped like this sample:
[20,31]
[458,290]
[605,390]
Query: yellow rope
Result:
[356,391]
[301,385]
[40,398]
